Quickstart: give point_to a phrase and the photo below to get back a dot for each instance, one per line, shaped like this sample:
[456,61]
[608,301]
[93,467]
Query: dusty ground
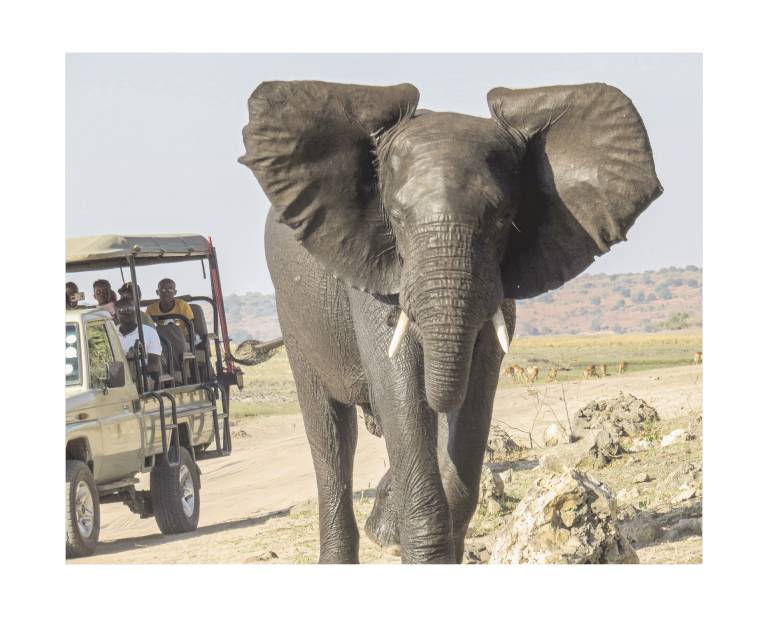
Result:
[261,498]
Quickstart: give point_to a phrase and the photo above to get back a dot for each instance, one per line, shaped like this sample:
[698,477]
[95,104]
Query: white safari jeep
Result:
[117,425]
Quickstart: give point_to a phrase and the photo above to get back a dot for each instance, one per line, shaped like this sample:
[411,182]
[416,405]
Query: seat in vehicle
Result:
[202,349]
[179,352]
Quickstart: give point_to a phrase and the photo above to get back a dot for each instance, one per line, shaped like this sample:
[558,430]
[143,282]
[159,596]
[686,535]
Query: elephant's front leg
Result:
[331,429]
[416,499]
[463,434]
[424,514]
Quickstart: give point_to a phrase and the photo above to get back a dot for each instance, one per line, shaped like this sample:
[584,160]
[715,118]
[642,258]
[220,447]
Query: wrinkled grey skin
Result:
[376,209]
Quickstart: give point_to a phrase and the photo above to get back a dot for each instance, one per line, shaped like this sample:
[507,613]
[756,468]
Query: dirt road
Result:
[247,496]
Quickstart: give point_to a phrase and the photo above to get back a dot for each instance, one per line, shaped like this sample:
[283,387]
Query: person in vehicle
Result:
[105,297]
[128,333]
[168,304]
[72,295]
[126,291]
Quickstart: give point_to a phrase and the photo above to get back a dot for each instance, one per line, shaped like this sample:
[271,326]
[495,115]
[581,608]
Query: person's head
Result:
[102,291]
[126,313]
[126,291]
[166,291]
[71,291]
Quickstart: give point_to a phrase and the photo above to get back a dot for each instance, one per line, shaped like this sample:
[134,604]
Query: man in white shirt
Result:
[128,333]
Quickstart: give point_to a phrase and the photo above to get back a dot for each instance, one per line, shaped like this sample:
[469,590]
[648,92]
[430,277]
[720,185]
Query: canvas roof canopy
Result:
[112,251]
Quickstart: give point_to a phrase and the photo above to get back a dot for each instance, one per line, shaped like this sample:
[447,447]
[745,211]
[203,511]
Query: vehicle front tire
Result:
[82,510]
[175,494]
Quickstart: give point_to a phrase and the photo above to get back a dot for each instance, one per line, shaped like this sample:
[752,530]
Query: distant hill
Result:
[651,301]
[666,299]
[251,316]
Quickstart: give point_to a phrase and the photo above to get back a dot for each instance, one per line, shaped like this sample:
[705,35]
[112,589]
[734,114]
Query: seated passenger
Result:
[72,295]
[128,333]
[105,297]
[126,291]
[168,304]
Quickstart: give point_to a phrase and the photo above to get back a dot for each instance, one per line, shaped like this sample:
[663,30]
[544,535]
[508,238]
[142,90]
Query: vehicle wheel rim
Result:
[84,509]
[187,491]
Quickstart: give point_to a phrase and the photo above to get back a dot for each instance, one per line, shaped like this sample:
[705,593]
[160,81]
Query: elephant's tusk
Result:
[400,331]
[501,329]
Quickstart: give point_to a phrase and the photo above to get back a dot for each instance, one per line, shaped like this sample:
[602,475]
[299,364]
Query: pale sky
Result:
[152,142]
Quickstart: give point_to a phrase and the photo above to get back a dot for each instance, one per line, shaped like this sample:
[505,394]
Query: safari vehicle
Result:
[119,425]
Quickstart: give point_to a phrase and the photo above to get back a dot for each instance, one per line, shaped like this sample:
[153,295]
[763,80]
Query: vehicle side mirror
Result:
[115,375]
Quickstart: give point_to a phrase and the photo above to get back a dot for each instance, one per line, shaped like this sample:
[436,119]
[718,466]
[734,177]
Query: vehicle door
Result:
[120,425]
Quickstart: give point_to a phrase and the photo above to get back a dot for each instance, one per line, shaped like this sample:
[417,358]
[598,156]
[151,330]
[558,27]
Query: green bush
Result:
[676,321]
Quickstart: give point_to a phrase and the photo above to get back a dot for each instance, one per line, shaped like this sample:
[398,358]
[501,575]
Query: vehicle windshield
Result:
[72,355]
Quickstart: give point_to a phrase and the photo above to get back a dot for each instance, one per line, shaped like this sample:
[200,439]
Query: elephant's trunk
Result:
[453,287]
[447,362]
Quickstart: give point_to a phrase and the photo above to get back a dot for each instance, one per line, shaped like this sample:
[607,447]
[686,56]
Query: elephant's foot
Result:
[381,526]
[338,557]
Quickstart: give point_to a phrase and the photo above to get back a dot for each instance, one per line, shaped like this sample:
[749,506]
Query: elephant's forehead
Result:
[448,134]
[443,157]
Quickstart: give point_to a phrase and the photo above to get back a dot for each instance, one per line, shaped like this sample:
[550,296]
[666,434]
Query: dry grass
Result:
[269,387]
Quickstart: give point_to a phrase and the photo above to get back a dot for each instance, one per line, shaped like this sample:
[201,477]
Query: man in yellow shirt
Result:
[168,304]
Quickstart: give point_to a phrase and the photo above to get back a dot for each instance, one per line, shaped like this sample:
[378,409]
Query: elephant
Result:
[398,240]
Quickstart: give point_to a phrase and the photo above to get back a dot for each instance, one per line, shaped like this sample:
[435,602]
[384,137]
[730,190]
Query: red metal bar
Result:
[213,264]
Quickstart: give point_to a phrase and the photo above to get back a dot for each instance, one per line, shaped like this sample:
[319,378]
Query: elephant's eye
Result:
[396,215]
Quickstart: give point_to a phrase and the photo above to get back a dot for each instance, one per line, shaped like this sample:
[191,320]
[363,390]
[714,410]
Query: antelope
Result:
[519,372]
[697,358]
[622,367]
[590,371]
[552,375]
[533,373]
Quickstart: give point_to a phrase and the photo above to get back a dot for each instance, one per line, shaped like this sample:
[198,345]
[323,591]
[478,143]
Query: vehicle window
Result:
[99,352]
[72,355]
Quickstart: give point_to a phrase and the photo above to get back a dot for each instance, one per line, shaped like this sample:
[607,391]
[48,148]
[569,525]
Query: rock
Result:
[262,556]
[552,463]
[650,527]
[476,554]
[605,448]
[682,483]
[500,446]
[688,492]
[628,496]
[637,444]
[626,511]
[491,486]
[555,434]
[494,507]
[642,530]
[565,518]
[683,528]
[625,415]
[641,477]
[675,436]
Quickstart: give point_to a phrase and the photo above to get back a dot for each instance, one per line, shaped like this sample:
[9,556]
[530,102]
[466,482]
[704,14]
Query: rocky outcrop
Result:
[625,415]
[501,446]
[566,517]
[491,491]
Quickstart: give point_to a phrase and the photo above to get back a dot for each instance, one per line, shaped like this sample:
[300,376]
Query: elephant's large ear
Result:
[312,147]
[586,176]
